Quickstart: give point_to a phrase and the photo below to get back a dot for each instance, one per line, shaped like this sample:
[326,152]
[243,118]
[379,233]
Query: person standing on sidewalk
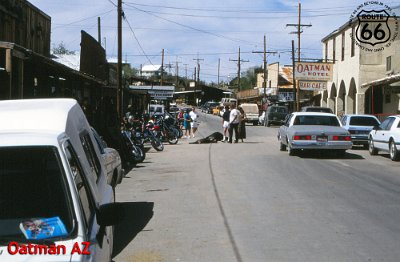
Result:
[242,124]
[195,122]
[234,123]
[225,123]
[186,124]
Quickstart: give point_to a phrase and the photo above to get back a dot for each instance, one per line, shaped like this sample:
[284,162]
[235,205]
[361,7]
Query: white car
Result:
[111,160]
[54,195]
[386,137]
[313,131]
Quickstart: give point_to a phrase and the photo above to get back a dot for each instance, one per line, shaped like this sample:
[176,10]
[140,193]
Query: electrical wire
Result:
[193,28]
[137,40]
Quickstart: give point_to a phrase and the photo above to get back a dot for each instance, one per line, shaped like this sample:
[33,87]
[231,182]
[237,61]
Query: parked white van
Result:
[55,202]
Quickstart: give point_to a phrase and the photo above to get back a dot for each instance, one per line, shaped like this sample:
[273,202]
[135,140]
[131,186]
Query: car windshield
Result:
[316,120]
[363,121]
[213,104]
[33,197]
[278,110]
[319,109]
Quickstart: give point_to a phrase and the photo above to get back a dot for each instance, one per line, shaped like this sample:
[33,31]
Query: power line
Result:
[193,28]
[239,9]
[137,40]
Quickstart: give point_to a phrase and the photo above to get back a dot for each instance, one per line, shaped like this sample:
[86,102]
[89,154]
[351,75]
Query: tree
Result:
[62,50]
[128,71]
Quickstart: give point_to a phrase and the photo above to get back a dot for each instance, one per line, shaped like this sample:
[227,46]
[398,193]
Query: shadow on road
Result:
[136,216]
[329,155]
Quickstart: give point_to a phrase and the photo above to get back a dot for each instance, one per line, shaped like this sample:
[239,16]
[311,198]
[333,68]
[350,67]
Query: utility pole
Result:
[239,61]
[219,64]
[99,30]
[162,68]
[176,72]
[198,77]
[119,64]
[185,70]
[299,27]
[296,97]
[265,71]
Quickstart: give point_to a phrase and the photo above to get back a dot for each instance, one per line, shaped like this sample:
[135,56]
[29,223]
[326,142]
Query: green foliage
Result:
[129,71]
[62,50]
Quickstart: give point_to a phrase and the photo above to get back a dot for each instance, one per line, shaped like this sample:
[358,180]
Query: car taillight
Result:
[341,138]
[301,137]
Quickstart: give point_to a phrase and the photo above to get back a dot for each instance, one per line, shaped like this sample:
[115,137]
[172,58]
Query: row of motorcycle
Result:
[141,130]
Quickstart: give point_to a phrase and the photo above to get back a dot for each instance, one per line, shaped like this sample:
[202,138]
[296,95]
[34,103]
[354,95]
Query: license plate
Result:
[322,139]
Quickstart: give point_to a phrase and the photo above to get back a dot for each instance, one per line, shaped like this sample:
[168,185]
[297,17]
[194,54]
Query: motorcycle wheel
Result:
[157,144]
[173,139]
[142,154]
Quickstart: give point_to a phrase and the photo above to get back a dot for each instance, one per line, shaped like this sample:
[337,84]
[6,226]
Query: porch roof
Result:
[383,81]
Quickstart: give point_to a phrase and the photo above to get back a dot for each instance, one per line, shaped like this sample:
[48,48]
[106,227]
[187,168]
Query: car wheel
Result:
[394,154]
[292,152]
[282,147]
[371,148]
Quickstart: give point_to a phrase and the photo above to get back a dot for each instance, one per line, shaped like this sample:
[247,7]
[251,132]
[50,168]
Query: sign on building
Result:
[156,92]
[312,85]
[314,71]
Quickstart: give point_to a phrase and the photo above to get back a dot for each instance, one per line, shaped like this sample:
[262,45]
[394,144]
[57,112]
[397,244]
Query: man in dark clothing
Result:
[225,122]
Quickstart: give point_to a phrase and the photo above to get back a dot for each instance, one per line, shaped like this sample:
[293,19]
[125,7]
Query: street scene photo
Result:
[170,131]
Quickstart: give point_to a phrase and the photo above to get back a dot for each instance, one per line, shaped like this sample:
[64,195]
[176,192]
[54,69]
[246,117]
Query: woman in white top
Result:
[195,123]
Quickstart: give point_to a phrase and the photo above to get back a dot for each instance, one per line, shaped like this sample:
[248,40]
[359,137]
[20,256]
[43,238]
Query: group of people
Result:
[233,120]
[189,121]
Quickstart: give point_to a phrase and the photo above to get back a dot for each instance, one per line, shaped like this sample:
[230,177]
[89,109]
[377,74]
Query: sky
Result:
[207,30]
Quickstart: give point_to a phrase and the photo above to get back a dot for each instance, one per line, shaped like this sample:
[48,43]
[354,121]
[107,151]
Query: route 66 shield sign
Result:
[373,27]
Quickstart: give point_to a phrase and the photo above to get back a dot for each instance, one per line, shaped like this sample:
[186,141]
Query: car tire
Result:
[371,148]
[292,152]
[394,154]
[282,147]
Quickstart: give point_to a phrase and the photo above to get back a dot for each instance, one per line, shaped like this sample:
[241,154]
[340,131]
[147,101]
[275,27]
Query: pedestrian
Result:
[195,121]
[180,118]
[225,123]
[234,123]
[242,124]
[186,123]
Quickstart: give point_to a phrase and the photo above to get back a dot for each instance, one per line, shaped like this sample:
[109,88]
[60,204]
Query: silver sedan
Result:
[312,130]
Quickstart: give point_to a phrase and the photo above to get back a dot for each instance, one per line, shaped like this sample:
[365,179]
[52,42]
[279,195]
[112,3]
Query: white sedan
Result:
[313,131]
[386,137]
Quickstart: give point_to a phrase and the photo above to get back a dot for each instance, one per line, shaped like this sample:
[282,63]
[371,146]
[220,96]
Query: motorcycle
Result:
[143,132]
[134,153]
[166,131]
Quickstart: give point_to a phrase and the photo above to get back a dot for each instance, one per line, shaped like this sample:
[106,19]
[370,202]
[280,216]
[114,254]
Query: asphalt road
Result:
[251,202]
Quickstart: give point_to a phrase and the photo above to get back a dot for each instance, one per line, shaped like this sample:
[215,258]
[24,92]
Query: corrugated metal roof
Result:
[151,68]
[71,61]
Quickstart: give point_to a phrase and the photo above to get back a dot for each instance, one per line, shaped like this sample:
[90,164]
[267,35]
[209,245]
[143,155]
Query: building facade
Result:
[364,79]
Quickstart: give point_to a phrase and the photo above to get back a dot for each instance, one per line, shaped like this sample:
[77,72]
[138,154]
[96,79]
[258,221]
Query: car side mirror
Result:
[110,214]
[375,128]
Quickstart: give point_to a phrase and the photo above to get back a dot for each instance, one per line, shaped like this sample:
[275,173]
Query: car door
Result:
[283,129]
[381,137]
[100,239]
